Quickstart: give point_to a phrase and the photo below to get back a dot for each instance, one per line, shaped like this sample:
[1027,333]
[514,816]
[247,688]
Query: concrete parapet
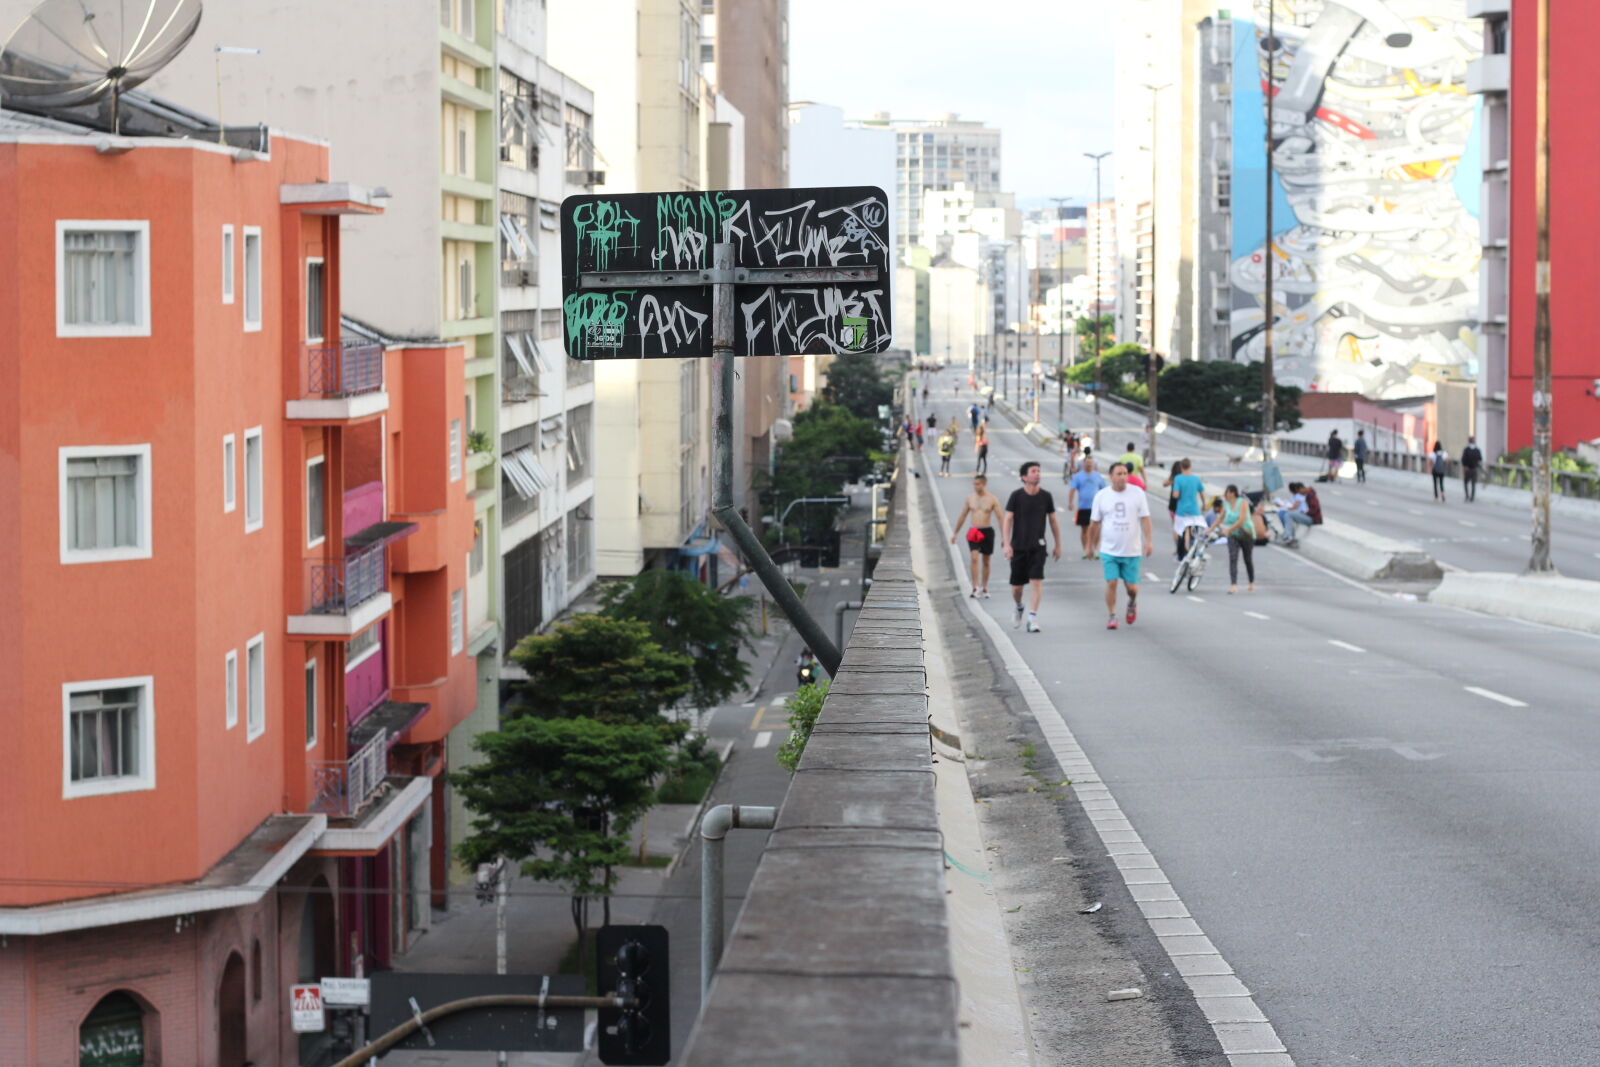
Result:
[1367,556]
[1543,598]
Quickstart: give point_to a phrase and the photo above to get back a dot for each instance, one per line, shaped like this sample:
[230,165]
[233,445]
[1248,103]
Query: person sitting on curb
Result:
[1293,512]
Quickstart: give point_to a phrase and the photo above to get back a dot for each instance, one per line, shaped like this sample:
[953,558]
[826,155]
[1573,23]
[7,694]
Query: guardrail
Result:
[339,371]
[841,951]
[340,787]
[335,587]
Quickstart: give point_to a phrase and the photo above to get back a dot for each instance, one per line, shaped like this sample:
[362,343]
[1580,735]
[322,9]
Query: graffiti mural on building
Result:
[1375,249]
[804,232]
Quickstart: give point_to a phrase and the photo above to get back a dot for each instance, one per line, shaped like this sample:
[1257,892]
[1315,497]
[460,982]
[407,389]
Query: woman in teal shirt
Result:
[1240,529]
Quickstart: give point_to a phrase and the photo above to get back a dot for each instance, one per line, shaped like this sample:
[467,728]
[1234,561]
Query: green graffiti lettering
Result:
[608,227]
[596,321]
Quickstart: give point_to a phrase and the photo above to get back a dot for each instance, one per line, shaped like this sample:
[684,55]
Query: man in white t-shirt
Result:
[1120,520]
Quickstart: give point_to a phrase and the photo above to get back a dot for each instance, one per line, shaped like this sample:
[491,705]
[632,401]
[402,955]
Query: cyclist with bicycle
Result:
[1188,518]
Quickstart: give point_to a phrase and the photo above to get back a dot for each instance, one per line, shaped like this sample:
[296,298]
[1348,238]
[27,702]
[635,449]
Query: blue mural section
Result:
[1375,249]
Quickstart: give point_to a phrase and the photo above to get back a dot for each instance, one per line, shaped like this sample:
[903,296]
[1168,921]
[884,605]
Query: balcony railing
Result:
[336,587]
[341,787]
[338,371]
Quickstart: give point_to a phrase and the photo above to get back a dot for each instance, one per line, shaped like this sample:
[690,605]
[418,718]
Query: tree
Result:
[690,620]
[558,797]
[1086,335]
[601,667]
[856,383]
[1224,395]
[828,442]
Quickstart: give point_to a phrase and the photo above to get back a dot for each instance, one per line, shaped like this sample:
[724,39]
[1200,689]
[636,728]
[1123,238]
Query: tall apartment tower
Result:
[652,418]
[235,548]
[1489,76]
[936,154]
[1213,190]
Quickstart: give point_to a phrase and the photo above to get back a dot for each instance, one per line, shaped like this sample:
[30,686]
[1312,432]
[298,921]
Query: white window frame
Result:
[141,550]
[311,708]
[230,663]
[456,461]
[366,653]
[252,525]
[229,258]
[255,696]
[253,326]
[133,783]
[323,325]
[458,621]
[139,328]
[230,474]
[317,461]
[466,299]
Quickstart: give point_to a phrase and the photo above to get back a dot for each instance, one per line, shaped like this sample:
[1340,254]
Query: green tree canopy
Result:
[1224,395]
[856,383]
[829,447]
[602,667]
[690,620]
[1086,335]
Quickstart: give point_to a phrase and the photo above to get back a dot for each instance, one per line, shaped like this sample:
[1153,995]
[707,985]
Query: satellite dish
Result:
[73,52]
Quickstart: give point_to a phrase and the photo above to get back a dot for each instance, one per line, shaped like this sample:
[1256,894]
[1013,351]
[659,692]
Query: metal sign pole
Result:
[722,326]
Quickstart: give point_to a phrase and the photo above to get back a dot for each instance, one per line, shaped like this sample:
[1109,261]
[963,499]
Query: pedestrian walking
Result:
[1238,526]
[1359,452]
[947,447]
[1120,523]
[933,422]
[980,446]
[1132,458]
[1335,456]
[1471,460]
[982,506]
[1081,492]
[1027,512]
[974,413]
[918,432]
[1439,464]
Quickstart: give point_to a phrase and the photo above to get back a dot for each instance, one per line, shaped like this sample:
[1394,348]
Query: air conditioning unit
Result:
[586,177]
[505,153]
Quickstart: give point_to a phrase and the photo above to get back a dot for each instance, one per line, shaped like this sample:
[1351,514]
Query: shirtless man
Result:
[983,506]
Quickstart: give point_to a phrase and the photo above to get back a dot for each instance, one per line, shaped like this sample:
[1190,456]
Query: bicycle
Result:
[1193,565]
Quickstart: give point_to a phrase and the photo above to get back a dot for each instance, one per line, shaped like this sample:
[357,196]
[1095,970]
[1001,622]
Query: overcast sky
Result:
[1038,69]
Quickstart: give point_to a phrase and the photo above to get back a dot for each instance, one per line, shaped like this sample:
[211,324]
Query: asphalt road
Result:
[1480,536]
[1381,811]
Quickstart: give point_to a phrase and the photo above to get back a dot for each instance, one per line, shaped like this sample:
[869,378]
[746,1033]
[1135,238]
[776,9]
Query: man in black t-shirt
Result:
[1022,532]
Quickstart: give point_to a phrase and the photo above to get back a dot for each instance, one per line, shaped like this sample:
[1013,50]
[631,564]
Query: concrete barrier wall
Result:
[841,951]
[1366,556]
[1548,599]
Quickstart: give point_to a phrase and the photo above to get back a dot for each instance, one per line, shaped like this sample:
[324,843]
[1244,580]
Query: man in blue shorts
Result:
[1120,521]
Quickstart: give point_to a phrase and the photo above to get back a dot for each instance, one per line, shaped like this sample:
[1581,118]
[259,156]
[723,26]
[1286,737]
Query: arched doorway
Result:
[120,1031]
[232,1023]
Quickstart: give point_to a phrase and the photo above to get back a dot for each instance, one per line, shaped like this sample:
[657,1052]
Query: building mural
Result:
[1376,248]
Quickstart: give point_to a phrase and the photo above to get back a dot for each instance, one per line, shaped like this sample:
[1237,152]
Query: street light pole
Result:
[1061,306]
[1152,377]
[1269,407]
[1096,253]
[1539,561]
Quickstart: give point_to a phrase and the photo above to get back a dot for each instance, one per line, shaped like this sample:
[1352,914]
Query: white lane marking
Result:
[1376,503]
[1197,600]
[749,705]
[1346,645]
[1492,695]
[763,739]
[1464,522]
[1258,615]
[1144,884]
[825,583]
[1153,576]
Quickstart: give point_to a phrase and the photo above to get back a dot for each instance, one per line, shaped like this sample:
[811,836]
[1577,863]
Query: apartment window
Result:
[708,52]
[255,686]
[361,647]
[580,554]
[455,450]
[458,619]
[580,139]
[105,503]
[311,702]
[316,501]
[519,251]
[230,665]
[252,277]
[446,13]
[102,278]
[688,402]
[252,480]
[519,135]
[580,436]
[462,158]
[227,264]
[464,290]
[469,20]
[229,501]
[315,300]
[110,736]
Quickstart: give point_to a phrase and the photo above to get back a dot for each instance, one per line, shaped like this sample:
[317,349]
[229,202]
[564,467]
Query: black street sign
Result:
[810,272]
[482,1029]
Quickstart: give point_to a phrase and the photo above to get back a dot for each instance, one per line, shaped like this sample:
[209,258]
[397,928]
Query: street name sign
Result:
[809,272]
[346,992]
[305,1009]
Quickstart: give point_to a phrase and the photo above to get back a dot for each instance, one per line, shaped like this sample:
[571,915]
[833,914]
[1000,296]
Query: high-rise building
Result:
[937,154]
[236,549]
[1213,239]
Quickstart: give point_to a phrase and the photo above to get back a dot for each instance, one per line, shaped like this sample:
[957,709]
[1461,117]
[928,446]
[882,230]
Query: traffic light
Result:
[633,963]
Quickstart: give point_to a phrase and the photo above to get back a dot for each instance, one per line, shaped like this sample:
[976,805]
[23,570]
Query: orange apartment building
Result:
[234,549]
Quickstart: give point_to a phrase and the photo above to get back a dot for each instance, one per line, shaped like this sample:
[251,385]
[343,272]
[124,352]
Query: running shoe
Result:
[983,593]
[1016,621]
[1033,626]
[974,594]
[1133,612]
[1111,623]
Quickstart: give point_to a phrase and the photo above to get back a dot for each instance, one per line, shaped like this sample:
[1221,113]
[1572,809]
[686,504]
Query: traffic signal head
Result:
[633,965]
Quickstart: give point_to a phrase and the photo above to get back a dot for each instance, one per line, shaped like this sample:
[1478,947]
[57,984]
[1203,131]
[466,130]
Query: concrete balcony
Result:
[1489,74]
[340,383]
[342,597]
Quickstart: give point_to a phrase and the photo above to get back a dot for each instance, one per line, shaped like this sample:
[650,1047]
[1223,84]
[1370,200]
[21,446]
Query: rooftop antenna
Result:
[68,53]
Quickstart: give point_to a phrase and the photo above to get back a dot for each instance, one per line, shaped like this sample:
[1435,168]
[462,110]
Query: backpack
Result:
[1313,506]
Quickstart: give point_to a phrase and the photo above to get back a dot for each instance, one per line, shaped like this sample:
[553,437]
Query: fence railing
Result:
[336,587]
[338,371]
[341,787]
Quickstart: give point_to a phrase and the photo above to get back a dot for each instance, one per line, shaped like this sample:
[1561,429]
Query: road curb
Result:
[1366,556]
[1571,603]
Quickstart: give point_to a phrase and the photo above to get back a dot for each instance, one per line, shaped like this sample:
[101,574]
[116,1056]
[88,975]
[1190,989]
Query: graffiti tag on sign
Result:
[795,241]
[305,1009]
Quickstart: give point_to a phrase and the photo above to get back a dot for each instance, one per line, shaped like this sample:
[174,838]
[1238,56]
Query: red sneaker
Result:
[1111,623]
[1133,612]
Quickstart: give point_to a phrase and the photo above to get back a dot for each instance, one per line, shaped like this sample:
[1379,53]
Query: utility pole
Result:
[1152,376]
[1539,562]
[1096,253]
[1061,306]
[1269,406]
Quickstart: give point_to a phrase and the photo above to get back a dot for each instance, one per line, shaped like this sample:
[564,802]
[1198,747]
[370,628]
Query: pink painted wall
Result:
[368,683]
[363,506]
